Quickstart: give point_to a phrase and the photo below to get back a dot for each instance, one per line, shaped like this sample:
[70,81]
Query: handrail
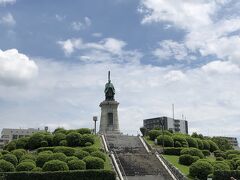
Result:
[144,144]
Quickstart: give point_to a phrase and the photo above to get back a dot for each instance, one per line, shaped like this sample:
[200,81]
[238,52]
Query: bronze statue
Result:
[109,90]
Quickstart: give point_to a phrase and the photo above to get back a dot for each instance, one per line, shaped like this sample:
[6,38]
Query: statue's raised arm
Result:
[109,89]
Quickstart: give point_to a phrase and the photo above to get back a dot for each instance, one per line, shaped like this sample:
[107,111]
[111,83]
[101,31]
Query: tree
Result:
[143,131]
[35,140]
[222,143]
[58,137]
[73,139]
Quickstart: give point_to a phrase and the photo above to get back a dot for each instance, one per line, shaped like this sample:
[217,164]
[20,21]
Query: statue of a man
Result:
[109,90]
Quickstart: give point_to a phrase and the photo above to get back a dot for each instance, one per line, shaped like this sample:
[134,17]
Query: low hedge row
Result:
[223,175]
[60,175]
[173,151]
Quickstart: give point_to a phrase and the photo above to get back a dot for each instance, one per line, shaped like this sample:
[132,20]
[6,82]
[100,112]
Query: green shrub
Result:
[76,165]
[88,144]
[10,158]
[27,156]
[10,146]
[153,134]
[57,138]
[55,165]
[232,152]
[187,159]
[70,158]
[25,166]
[63,143]
[73,139]
[168,141]
[4,152]
[94,162]
[172,151]
[180,139]
[19,153]
[49,139]
[35,140]
[192,152]
[84,131]
[89,149]
[44,144]
[213,146]
[219,153]
[225,175]
[200,169]
[85,138]
[219,159]
[22,143]
[192,142]
[6,166]
[206,145]
[43,149]
[29,160]
[206,152]
[231,156]
[58,156]
[42,158]
[238,163]
[68,151]
[37,169]
[220,166]
[200,143]
[177,144]
[59,130]
[81,154]
[231,164]
[99,154]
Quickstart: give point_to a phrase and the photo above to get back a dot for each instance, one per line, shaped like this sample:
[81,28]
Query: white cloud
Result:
[70,45]
[171,49]
[97,34]
[79,25]
[16,68]
[174,75]
[4,2]
[7,20]
[60,17]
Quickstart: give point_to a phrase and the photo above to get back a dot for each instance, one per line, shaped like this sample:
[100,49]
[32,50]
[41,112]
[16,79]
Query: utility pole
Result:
[173,111]
[95,123]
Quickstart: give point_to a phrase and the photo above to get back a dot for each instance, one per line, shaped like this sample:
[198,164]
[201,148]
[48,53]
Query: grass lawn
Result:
[151,143]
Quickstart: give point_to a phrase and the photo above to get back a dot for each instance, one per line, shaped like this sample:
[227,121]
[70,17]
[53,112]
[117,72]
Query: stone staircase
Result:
[135,162]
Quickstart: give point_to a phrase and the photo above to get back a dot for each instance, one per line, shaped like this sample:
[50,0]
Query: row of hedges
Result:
[63,175]
[223,175]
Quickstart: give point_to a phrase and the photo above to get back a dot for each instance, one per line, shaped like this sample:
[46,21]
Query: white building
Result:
[175,125]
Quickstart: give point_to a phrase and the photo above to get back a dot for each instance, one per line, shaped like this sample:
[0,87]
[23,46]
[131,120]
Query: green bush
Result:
[99,154]
[200,143]
[180,139]
[231,164]
[27,156]
[73,139]
[63,175]
[219,153]
[94,162]
[220,166]
[76,165]
[4,152]
[219,159]
[6,166]
[177,144]
[57,138]
[206,145]
[200,169]
[68,151]
[232,156]
[42,158]
[192,152]
[55,165]
[44,144]
[172,151]
[18,153]
[81,154]
[49,139]
[44,149]
[85,138]
[10,146]
[37,169]
[225,175]
[89,149]
[192,142]
[88,144]
[25,166]
[187,159]
[84,131]
[168,141]
[213,146]
[153,134]
[35,140]
[59,130]
[232,152]
[58,156]
[70,158]
[22,143]
[63,143]
[206,152]
[10,158]
[29,160]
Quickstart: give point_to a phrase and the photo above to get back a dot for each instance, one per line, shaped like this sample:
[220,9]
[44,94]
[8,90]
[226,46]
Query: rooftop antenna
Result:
[109,80]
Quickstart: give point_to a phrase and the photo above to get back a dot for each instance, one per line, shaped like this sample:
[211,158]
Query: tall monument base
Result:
[109,123]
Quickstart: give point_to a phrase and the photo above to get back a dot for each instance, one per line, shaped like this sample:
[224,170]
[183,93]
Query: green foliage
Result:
[37,169]
[219,153]
[4,152]
[42,158]
[200,143]
[177,144]
[231,164]
[58,156]
[43,149]
[70,158]
[195,135]
[168,141]
[99,154]
[84,131]
[10,158]
[22,143]
[143,131]
[27,156]
[10,146]
[219,159]
[192,152]
[206,152]
[6,166]
[73,139]
[200,169]
[25,166]
[181,139]
[172,151]
[68,151]
[192,142]
[94,162]
[63,175]
[85,138]
[44,144]
[90,149]
[88,144]
[63,143]
[232,152]
[35,140]
[220,166]
[81,154]
[29,160]
[187,159]
[206,145]
[231,156]
[225,175]
[49,139]
[213,146]
[60,130]
[58,137]
[18,153]
[55,165]
[222,143]
[153,134]
[76,165]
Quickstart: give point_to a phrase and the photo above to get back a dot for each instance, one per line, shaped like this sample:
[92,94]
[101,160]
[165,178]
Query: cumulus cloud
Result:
[7,20]
[107,49]
[16,68]
[80,25]
[4,2]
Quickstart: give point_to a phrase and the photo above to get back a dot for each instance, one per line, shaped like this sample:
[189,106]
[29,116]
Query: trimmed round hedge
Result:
[94,162]
[168,140]
[200,143]
[10,158]
[153,134]
[73,139]
[221,166]
[81,154]
[76,165]
[55,165]
[181,139]
[25,166]
[19,153]
[57,138]
[58,156]
[42,158]
[27,156]
[206,145]
[68,151]
[213,146]
[89,149]
[70,158]
[37,169]
[206,152]
[200,169]
[6,166]
[187,159]
[192,152]
[192,142]
[99,154]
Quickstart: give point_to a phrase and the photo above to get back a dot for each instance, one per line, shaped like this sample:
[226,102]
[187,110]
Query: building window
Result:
[110,119]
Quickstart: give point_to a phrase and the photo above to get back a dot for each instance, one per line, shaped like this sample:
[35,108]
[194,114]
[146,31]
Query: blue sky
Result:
[54,58]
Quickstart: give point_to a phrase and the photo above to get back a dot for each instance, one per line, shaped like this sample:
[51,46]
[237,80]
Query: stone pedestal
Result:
[109,123]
